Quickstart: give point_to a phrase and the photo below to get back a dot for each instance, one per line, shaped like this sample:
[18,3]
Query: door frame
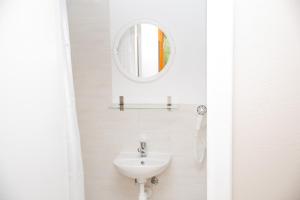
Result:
[220,61]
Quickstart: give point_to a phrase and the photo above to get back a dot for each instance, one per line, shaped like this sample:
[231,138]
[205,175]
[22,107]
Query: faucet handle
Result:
[143,145]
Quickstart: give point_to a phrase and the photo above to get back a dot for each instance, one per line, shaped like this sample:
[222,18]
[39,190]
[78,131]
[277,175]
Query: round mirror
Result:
[143,51]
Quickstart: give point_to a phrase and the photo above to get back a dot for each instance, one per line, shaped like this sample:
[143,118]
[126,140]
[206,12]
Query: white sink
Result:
[134,166]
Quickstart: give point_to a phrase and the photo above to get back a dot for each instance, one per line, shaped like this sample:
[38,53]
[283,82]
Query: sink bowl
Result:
[134,166]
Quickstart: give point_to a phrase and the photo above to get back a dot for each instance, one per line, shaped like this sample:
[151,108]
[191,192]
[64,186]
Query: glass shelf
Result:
[144,106]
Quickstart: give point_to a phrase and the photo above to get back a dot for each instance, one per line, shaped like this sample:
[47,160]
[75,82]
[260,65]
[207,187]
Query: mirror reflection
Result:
[143,50]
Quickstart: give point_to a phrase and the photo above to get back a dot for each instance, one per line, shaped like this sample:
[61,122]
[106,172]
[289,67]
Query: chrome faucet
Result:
[142,149]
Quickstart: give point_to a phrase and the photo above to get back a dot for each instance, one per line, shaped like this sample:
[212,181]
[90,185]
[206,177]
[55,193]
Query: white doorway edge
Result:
[220,52]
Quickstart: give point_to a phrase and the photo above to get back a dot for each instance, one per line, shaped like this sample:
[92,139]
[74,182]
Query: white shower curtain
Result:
[40,155]
[76,180]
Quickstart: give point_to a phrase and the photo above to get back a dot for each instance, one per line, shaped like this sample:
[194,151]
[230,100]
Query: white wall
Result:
[106,132]
[266,100]
[33,146]
[185,22]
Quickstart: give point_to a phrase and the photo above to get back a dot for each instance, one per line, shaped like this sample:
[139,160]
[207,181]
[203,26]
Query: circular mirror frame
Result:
[119,64]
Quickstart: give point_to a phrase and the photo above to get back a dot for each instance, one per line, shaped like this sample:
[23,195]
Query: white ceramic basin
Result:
[134,166]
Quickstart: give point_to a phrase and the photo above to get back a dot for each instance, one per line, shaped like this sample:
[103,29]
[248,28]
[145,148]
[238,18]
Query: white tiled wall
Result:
[106,132]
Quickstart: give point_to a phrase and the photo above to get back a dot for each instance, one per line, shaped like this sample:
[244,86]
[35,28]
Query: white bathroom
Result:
[158,100]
